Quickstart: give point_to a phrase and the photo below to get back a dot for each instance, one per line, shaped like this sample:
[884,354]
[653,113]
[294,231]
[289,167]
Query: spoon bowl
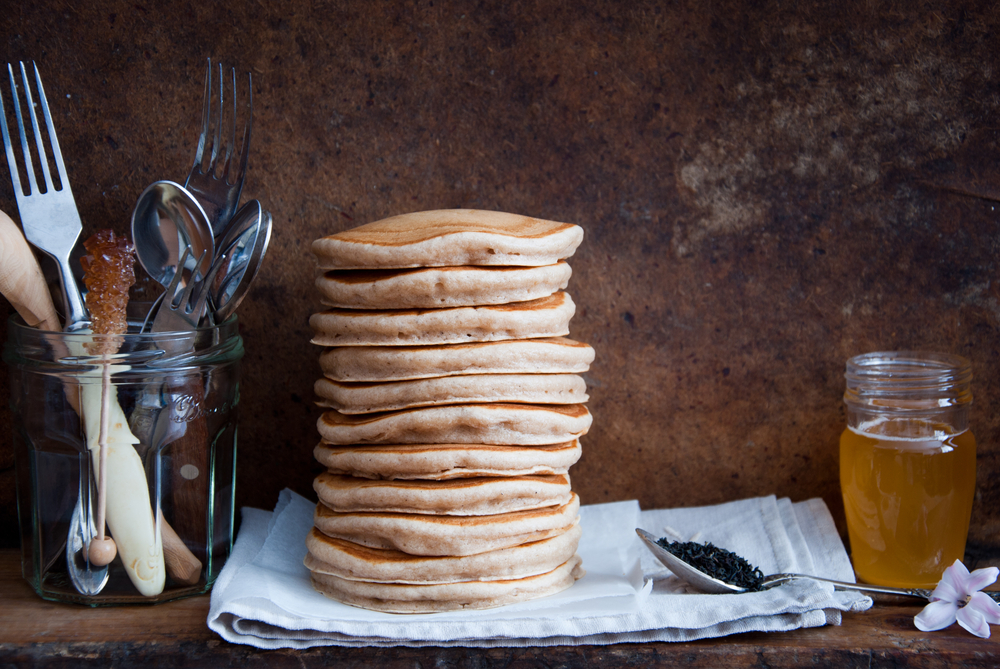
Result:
[243,262]
[234,248]
[87,577]
[682,570]
[166,220]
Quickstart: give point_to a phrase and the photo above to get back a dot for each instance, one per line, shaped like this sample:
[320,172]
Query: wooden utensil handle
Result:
[21,280]
[182,565]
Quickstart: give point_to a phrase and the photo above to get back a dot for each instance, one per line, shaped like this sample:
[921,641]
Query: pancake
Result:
[457,497]
[499,424]
[360,398]
[423,534]
[353,562]
[437,287]
[557,355]
[545,317]
[399,598]
[446,461]
[449,237]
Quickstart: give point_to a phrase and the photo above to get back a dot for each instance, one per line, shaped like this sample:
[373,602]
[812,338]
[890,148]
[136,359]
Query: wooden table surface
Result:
[34,632]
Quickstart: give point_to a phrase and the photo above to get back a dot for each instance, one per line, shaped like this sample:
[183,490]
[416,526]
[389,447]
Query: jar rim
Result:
[908,365]
[916,379]
[136,314]
[65,352]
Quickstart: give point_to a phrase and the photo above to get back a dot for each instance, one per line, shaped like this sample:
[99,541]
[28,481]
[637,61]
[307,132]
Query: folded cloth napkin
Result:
[264,598]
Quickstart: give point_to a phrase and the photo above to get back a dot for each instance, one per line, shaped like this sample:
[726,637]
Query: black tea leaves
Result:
[718,563]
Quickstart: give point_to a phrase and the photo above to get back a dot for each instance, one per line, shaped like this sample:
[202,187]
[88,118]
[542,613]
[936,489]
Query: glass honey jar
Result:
[907,465]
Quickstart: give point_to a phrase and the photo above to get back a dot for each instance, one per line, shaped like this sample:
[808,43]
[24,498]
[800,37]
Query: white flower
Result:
[958,597]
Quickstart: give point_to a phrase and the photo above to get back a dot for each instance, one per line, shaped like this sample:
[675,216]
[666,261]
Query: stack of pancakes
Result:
[454,408]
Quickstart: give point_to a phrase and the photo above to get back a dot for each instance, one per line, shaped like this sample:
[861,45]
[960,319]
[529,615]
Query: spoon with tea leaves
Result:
[714,570]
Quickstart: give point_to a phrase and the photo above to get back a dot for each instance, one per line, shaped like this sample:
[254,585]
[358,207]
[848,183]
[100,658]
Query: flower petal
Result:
[974,621]
[952,587]
[985,605]
[936,616]
[981,578]
[947,592]
[957,575]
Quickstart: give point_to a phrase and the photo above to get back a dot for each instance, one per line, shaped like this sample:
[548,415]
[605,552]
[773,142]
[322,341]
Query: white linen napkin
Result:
[264,598]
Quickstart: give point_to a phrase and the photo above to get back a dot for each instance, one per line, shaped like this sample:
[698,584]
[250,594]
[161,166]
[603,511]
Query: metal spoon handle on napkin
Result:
[778,579]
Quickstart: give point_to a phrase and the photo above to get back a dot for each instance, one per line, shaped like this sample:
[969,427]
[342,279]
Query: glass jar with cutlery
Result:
[125,459]
[170,465]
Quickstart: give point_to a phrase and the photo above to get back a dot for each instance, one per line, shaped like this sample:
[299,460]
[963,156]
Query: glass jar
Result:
[170,459]
[907,465]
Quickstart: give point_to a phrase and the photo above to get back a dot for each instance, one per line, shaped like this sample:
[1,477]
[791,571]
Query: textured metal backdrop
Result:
[767,189]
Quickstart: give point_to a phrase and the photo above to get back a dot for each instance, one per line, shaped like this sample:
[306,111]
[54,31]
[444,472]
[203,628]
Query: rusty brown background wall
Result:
[767,188]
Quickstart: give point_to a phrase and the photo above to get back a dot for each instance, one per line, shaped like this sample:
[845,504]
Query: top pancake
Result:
[449,237]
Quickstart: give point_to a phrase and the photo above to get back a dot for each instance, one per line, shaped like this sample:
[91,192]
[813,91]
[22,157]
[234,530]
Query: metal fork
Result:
[50,219]
[184,314]
[219,194]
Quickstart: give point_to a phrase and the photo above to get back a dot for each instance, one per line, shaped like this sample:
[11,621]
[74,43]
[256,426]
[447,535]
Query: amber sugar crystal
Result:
[108,274]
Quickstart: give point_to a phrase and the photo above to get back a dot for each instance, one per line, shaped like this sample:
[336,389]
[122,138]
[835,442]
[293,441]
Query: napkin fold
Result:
[264,597]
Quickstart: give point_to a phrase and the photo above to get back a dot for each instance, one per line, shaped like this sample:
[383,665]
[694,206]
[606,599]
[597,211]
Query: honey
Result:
[907,465]
[908,502]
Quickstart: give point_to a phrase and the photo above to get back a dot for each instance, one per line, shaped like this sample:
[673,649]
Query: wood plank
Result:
[39,633]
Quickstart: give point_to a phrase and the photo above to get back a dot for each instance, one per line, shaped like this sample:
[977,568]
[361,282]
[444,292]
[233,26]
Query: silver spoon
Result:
[87,578]
[167,219]
[234,247]
[699,580]
[230,291]
[166,222]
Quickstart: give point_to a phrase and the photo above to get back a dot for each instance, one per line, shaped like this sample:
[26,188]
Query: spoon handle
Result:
[777,579]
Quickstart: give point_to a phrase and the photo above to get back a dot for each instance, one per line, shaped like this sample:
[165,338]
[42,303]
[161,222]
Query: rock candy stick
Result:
[123,495]
[108,274]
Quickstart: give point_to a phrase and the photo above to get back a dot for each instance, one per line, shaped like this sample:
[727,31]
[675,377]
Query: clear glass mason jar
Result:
[171,459]
[907,465]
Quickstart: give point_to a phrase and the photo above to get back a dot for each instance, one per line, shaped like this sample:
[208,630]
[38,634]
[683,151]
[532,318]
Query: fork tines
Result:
[39,141]
[183,303]
[48,216]
[219,192]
